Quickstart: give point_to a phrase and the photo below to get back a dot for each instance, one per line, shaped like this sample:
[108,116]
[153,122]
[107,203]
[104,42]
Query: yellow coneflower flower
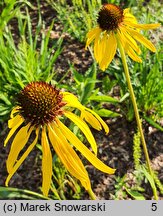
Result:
[39,108]
[117,24]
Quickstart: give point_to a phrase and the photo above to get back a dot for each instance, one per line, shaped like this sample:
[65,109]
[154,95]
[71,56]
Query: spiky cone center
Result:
[110,16]
[39,103]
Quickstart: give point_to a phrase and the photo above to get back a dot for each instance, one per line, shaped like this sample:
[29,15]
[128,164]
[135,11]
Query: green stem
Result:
[137,114]
[91,194]
[28,192]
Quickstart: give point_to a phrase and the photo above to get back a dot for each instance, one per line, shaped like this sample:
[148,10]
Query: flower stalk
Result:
[138,120]
[91,194]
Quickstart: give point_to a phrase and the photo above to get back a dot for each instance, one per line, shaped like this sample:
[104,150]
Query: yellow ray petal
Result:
[72,100]
[18,144]
[142,26]
[14,110]
[128,16]
[111,46]
[91,120]
[102,48]
[129,19]
[104,125]
[131,42]
[84,128]
[18,121]
[46,163]
[121,38]
[126,11]
[97,46]
[67,149]
[137,36]
[84,150]
[21,160]
[133,55]
[91,35]
[15,120]
[68,156]
[127,48]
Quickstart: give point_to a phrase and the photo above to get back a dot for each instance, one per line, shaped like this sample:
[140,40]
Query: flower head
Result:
[38,111]
[115,24]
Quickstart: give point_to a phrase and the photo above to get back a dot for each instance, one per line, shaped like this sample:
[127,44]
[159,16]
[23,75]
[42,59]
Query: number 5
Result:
[154,207]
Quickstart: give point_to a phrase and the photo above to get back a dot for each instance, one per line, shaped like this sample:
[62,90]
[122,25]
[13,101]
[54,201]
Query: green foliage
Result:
[10,9]
[15,193]
[85,85]
[120,193]
[141,173]
[77,18]
[85,88]
[151,97]
[148,177]
[122,189]
[135,194]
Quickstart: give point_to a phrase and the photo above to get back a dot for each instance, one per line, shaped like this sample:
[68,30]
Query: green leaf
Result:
[5,99]
[153,123]
[104,98]
[149,177]
[124,97]
[135,194]
[107,113]
[89,84]
[77,76]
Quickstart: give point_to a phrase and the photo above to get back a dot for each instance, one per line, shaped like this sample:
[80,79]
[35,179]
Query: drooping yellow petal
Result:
[133,55]
[137,36]
[91,35]
[68,150]
[23,157]
[18,144]
[46,163]
[15,122]
[102,48]
[121,38]
[68,156]
[131,42]
[91,120]
[84,150]
[97,47]
[72,101]
[84,128]
[104,125]
[111,46]
[127,48]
